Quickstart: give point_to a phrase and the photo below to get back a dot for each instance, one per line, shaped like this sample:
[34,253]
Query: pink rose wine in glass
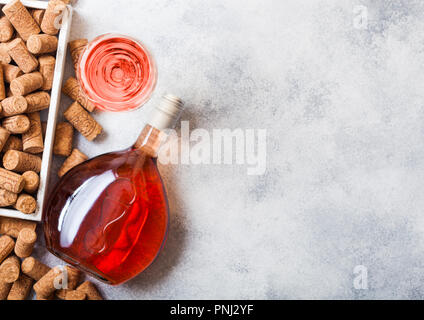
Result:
[117,73]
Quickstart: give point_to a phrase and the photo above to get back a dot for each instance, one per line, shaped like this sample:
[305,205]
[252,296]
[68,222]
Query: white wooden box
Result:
[52,111]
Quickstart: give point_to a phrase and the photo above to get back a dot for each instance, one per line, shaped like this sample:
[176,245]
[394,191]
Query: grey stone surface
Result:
[343,108]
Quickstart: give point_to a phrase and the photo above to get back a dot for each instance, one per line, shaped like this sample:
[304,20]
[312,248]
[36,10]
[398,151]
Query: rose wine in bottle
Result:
[109,215]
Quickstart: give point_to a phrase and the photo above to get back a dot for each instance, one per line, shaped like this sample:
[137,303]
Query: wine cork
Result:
[6,30]
[46,285]
[2,86]
[7,198]
[32,140]
[17,124]
[38,15]
[90,290]
[73,90]
[47,65]
[75,295]
[20,288]
[26,204]
[12,227]
[12,182]
[32,181]
[4,136]
[76,158]
[10,269]
[34,268]
[11,72]
[63,139]
[26,83]
[4,56]
[41,43]
[77,47]
[25,243]
[13,143]
[83,121]
[55,10]
[73,279]
[6,247]
[20,54]
[4,290]
[20,161]
[38,101]
[21,19]
[13,106]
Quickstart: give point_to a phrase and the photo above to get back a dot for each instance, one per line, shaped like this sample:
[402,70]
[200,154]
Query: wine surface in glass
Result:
[117,73]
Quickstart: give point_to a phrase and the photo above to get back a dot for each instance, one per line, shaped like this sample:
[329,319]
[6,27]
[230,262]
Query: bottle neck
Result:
[150,140]
[164,116]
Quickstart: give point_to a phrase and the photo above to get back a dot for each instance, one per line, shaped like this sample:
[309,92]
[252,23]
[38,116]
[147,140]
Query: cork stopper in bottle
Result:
[163,117]
[166,115]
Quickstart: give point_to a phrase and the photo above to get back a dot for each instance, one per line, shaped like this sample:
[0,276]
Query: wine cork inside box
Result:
[63,38]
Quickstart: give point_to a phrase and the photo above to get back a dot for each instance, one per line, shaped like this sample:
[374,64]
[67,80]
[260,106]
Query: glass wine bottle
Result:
[109,215]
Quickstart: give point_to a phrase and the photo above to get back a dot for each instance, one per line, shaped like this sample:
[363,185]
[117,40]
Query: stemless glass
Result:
[117,72]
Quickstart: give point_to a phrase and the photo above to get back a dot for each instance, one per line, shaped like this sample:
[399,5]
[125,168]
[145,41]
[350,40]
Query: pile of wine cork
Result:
[20,272]
[28,44]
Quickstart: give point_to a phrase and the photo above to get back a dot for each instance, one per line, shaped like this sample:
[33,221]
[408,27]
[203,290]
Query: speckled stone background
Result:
[344,110]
